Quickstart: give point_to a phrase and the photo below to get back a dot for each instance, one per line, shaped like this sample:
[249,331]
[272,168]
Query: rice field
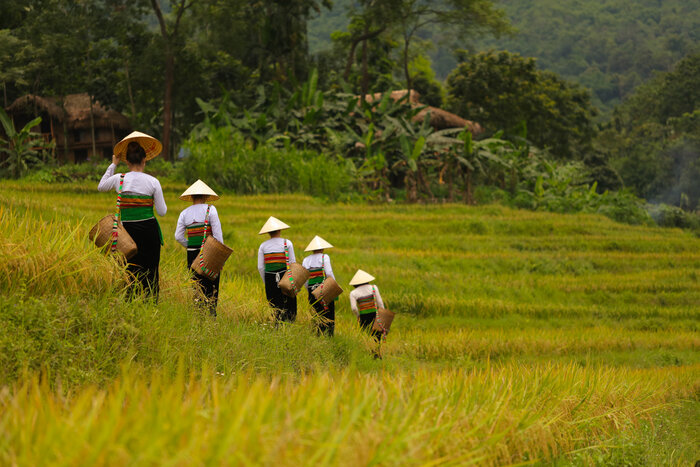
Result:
[521,338]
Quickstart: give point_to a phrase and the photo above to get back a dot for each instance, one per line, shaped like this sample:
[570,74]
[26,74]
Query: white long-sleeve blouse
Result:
[195,214]
[135,182]
[364,291]
[273,245]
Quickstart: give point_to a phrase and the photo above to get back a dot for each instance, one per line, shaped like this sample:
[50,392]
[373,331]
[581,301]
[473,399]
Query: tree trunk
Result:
[405,67]
[426,185]
[365,74]
[469,197]
[451,186]
[167,101]
[169,39]
[65,140]
[129,90]
[353,46]
[65,131]
[92,128]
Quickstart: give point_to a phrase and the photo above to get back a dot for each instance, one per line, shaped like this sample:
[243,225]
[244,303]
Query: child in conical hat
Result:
[194,222]
[319,266]
[273,257]
[365,299]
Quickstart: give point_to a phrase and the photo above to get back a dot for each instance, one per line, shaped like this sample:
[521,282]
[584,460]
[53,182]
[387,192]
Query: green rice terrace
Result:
[520,338]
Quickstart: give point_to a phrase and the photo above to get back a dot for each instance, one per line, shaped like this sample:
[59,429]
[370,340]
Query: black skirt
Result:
[209,287]
[366,321]
[143,267]
[325,322]
[285,307]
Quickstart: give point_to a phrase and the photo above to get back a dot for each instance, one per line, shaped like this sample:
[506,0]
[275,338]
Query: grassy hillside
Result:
[521,336]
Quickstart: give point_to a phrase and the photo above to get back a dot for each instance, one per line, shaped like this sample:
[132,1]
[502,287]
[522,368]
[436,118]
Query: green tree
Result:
[653,138]
[22,147]
[458,18]
[504,91]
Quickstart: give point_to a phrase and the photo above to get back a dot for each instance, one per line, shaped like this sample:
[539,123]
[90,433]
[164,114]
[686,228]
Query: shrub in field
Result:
[93,171]
[225,160]
[672,216]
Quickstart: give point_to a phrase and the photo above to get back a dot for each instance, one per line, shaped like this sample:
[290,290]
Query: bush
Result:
[224,160]
[93,171]
[672,216]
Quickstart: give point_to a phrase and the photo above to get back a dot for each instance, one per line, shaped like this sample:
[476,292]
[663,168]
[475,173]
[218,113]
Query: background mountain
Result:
[609,46]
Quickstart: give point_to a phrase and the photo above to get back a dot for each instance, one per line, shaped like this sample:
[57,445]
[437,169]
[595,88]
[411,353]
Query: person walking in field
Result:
[194,224]
[274,257]
[319,267]
[138,194]
[365,300]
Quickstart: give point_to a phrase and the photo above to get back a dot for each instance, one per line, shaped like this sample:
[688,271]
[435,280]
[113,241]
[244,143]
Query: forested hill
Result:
[609,46]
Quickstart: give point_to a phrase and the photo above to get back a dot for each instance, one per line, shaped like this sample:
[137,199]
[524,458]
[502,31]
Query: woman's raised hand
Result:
[116,159]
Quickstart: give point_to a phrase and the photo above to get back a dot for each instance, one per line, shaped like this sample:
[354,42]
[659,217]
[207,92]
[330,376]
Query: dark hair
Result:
[200,197]
[135,154]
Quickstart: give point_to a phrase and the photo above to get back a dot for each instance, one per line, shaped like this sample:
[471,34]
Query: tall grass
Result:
[520,336]
[493,416]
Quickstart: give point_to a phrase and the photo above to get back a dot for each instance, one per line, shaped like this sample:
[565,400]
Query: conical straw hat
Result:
[149,144]
[361,277]
[272,224]
[199,188]
[318,244]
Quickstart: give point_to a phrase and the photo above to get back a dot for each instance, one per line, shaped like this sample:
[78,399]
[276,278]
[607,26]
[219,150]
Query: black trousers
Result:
[209,288]
[325,324]
[285,307]
[366,321]
[143,267]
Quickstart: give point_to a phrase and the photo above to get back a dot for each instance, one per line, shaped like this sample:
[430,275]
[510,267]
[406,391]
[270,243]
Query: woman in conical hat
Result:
[138,194]
[365,299]
[194,223]
[319,266]
[273,257]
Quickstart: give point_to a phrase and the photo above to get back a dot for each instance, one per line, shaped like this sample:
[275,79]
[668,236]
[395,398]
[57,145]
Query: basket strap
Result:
[323,268]
[117,215]
[376,307]
[201,248]
[286,258]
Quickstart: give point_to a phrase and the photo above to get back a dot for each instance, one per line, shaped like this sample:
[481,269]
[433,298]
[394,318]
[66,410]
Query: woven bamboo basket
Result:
[299,275]
[328,290]
[215,255]
[101,234]
[383,320]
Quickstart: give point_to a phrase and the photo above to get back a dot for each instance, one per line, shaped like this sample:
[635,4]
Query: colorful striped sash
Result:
[276,261]
[316,276]
[366,305]
[136,207]
[195,234]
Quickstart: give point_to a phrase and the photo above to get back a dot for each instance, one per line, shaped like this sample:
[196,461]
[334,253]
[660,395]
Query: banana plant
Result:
[22,148]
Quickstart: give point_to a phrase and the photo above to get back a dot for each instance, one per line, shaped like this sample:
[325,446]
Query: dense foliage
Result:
[607,46]
[225,160]
[654,137]
[503,91]
[242,69]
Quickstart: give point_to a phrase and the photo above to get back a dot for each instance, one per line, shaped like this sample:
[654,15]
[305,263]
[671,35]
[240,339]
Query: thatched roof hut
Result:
[73,108]
[71,122]
[439,119]
[442,119]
